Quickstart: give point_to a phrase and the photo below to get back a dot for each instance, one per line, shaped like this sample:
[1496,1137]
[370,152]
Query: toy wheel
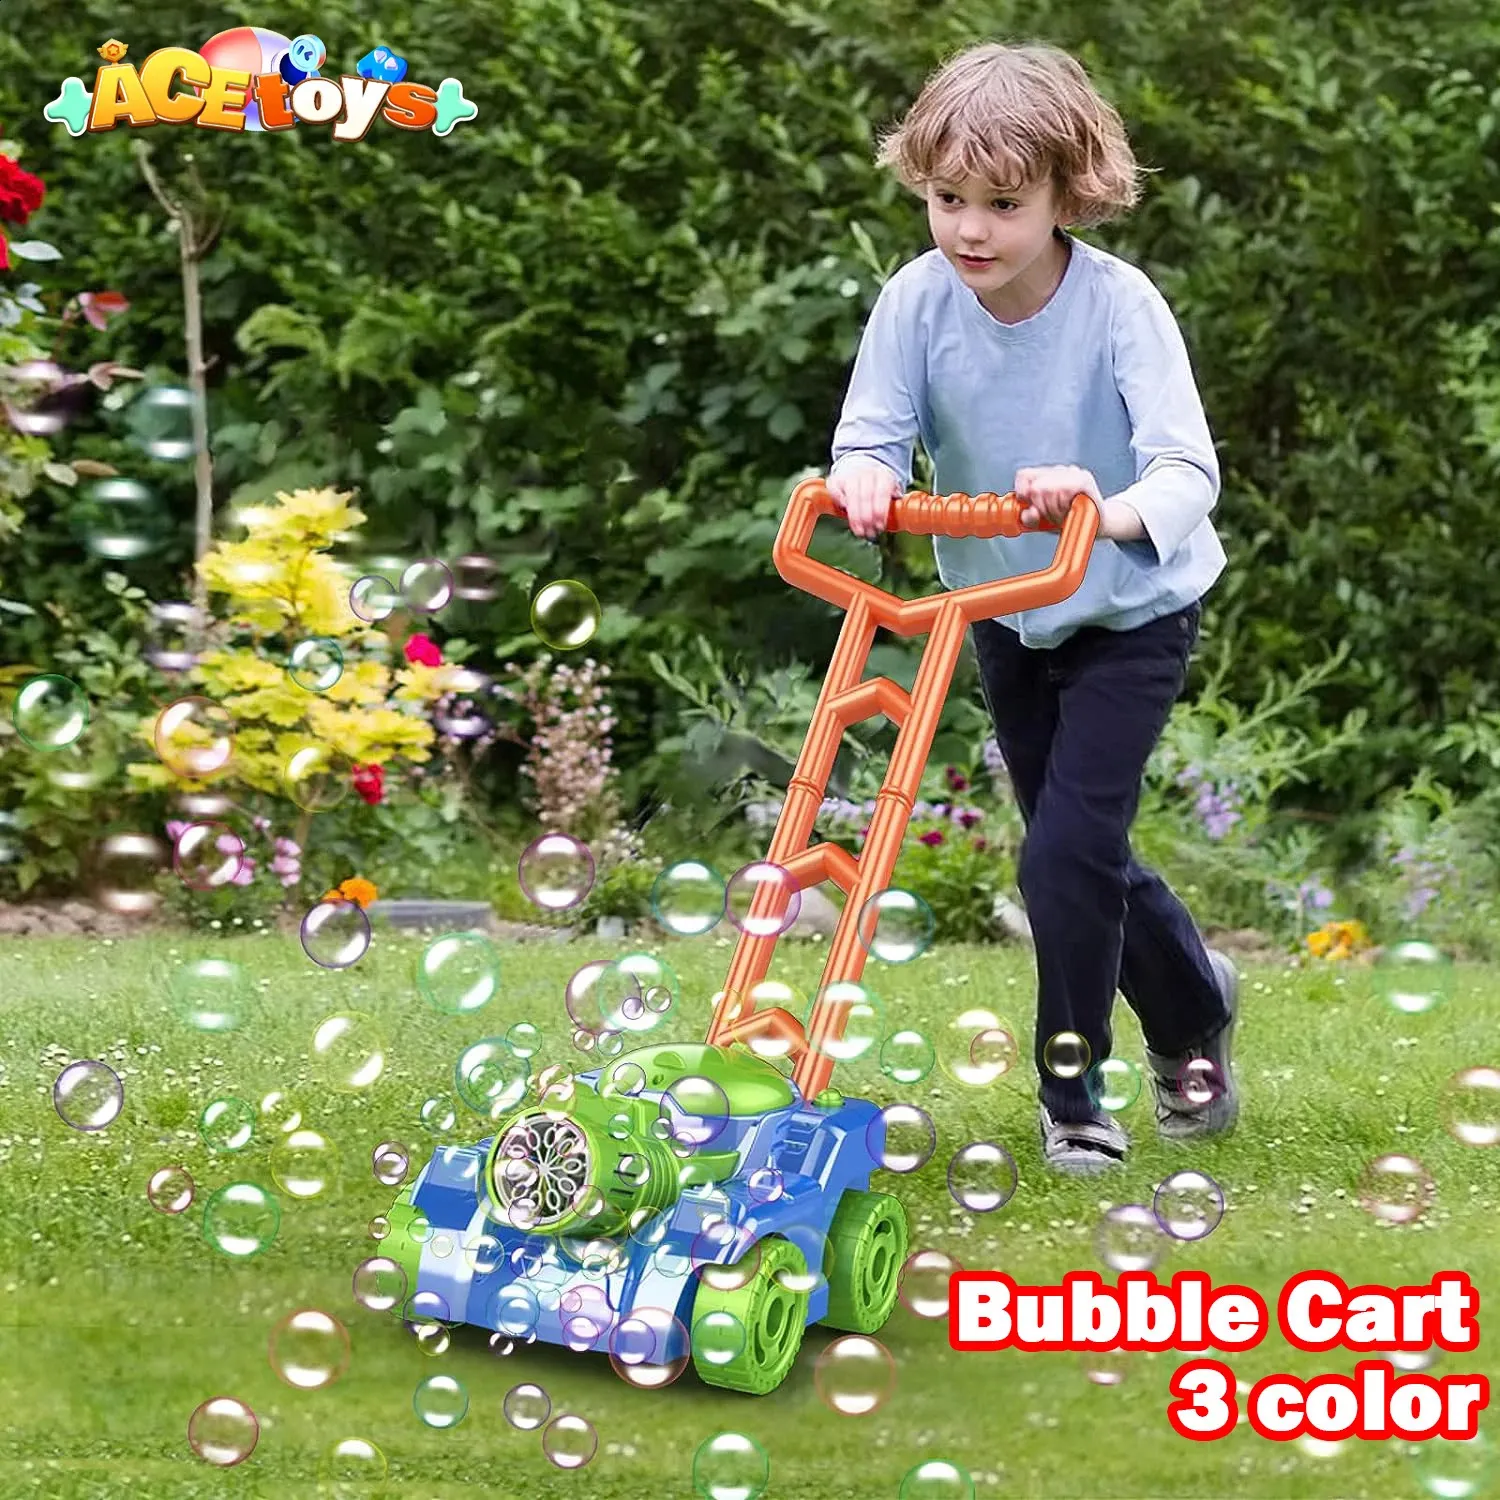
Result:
[774,1319]
[866,1250]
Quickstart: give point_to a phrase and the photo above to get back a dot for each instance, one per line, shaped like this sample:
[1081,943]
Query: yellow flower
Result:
[238,671]
[355,889]
[1338,940]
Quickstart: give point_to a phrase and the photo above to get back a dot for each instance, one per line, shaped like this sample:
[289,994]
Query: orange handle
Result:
[922,514]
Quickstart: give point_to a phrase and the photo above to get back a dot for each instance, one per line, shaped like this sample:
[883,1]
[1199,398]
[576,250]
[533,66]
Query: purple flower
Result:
[957,781]
[262,825]
[980,844]
[932,838]
[288,847]
[293,878]
[176,828]
[229,843]
[245,874]
[994,761]
[285,864]
[1419,901]
[967,817]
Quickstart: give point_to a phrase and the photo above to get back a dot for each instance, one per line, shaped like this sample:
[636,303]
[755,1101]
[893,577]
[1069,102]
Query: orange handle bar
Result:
[922,514]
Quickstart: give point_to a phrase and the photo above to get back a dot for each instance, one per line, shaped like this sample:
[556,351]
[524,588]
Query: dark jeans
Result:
[1076,725]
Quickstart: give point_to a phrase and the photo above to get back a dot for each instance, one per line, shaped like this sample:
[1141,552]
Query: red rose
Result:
[422,650]
[369,782]
[21,194]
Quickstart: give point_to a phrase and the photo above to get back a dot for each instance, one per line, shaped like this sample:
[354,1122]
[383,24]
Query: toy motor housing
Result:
[601,1207]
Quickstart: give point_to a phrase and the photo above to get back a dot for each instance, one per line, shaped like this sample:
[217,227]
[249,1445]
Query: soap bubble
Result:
[372,598]
[208,856]
[853,1023]
[44,397]
[125,871]
[170,1190]
[119,520]
[88,1095]
[309,1349]
[348,1052]
[241,1220]
[634,994]
[688,898]
[1129,1238]
[1396,1189]
[304,1163]
[223,1431]
[936,1479]
[1066,1054]
[459,973]
[1200,1081]
[209,994]
[172,636]
[475,577]
[556,871]
[896,926]
[901,1138]
[731,1466]
[1189,1205]
[854,1375]
[427,585]
[379,1283]
[907,1056]
[194,737]
[1107,1367]
[1413,977]
[638,1344]
[1454,1468]
[1471,1107]
[526,1406]
[763,899]
[956,1043]
[565,615]
[315,664]
[994,1053]
[226,1125]
[161,422]
[718,1338]
[440,1401]
[50,712]
[982,1177]
[569,1441]
[458,713]
[924,1283]
[1114,1083]
[335,934]
[390,1163]
[490,1078]
[696,1110]
[352,1467]
[315,778]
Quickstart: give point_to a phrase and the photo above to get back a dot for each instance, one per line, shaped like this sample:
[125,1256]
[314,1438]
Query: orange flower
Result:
[355,889]
[1338,940]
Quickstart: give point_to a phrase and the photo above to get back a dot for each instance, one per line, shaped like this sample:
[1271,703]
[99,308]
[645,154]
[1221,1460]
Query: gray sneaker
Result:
[1083,1147]
[1183,1118]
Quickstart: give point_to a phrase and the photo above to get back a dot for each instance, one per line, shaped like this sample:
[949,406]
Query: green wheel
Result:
[773,1317]
[866,1250]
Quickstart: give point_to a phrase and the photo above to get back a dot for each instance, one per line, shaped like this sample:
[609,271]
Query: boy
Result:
[1027,360]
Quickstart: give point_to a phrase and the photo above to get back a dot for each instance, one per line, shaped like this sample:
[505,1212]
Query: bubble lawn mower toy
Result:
[707,1201]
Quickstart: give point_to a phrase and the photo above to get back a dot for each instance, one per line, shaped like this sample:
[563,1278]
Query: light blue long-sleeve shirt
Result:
[1099,377]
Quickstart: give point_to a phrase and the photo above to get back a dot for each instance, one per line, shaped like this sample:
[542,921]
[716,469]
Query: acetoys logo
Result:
[257,80]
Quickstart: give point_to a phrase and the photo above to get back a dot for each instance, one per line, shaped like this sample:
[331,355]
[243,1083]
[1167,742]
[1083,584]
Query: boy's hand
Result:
[1049,492]
[865,491]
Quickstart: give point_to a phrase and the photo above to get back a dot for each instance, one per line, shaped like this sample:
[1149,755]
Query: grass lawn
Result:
[118,1321]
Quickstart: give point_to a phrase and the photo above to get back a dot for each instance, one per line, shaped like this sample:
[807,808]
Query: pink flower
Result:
[229,843]
[422,650]
[293,878]
[957,781]
[284,864]
[176,828]
[245,874]
[288,847]
[932,838]
[262,825]
[967,817]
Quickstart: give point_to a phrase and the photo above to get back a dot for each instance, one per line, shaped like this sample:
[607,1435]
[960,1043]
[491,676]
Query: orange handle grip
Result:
[922,514]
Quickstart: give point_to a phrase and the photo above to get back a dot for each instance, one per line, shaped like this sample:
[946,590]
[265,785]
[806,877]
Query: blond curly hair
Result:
[1013,115]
